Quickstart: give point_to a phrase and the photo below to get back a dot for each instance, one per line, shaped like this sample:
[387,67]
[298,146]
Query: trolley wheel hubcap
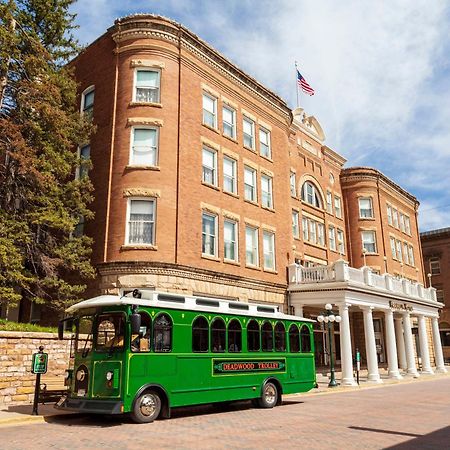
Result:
[148,405]
[270,394]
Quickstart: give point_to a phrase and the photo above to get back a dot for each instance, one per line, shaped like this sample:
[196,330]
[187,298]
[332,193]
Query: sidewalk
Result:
[21,414]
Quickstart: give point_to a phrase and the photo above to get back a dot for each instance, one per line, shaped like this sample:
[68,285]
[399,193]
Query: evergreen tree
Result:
[41,256]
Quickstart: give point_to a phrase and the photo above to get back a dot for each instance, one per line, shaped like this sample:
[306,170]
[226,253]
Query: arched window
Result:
[141,342]
[280,337]
[294,339]
[200,331]
[218,333]
[234,336]
[162,333]
[311,195]
[253,341]
[267,337]
[305,337]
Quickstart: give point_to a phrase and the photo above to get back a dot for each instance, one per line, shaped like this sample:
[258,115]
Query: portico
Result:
[398,303]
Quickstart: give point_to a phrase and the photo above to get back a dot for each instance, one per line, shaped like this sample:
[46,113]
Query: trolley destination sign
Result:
[247,366]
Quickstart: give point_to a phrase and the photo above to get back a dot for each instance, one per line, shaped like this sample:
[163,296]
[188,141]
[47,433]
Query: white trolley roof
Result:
[191,303]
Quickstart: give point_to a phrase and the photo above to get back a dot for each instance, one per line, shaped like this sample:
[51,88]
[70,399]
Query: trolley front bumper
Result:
[90,406]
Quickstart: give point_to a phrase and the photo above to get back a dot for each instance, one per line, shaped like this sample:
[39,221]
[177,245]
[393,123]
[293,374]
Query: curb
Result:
[21,420]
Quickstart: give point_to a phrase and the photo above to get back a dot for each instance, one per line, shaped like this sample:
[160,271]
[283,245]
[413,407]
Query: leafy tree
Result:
[42,257]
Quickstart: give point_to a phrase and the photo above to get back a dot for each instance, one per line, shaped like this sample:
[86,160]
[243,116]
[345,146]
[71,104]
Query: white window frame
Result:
[128,220]
[329,202]
[398,245]
[231,125]
[405,253]
[254,246]
[250,136]
[411,254]
[407,225]
[266,195]
[214,236]
[253,186]
[82,169]
[214,113]
[389,214]
[311,195]
[154,149]
[295,224]
[393,247]
[395,217]
[89,112]
[293,184]
[212,169]
[232,178]
[320,234]
[365,213]
[435,265]
[340,242]
[402,222]
[234,243]
[332,237]
[305,229]
[337,207]
[269,252]
[265,148]
[136,87]
[369,241]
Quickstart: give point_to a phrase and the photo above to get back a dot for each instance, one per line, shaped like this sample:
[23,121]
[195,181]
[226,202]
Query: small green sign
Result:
[39,364]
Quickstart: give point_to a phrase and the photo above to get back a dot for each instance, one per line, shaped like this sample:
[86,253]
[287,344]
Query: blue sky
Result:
[381,71]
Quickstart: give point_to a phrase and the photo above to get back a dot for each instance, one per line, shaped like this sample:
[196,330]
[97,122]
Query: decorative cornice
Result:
[141,192]
[131,121]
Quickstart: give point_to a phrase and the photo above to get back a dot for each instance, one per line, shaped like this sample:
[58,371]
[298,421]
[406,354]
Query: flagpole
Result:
[296,83]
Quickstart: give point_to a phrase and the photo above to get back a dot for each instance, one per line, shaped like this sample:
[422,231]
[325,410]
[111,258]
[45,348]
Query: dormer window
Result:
[311,195]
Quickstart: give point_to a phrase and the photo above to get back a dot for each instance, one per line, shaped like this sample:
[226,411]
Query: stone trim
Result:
[210,90]
[147,63]
[251,222]
[210,208]
[249,116]
[229,102]
[209,143]
[231,215]
[131,121]
[251,164]
[230,153]
[141,192]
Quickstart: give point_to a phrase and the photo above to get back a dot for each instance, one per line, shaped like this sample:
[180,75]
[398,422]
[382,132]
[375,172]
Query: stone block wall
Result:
[16,350]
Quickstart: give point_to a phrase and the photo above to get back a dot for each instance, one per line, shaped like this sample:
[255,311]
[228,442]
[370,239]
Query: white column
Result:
[346,347]
[400,342]
[424,352]
[409,346]
[371,349]
[391,346]
[299,310]
[438,356]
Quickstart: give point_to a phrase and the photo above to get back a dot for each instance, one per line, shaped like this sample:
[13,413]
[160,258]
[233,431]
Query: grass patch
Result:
[7,325]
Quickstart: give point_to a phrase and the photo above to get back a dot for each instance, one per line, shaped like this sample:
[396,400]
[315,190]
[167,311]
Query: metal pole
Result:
[37,388]
[296,82]
[332,382]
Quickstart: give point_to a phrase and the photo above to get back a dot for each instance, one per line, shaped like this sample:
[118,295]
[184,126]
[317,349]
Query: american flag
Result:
[305,87]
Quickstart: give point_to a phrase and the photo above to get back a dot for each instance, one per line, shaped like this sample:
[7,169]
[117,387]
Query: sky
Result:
[380,70]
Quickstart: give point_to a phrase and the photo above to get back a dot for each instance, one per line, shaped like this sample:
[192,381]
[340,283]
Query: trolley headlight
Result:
[81,375]
[67,374]
[109,376]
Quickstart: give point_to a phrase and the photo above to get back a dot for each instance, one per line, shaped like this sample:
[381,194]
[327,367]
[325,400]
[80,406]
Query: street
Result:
[399,416]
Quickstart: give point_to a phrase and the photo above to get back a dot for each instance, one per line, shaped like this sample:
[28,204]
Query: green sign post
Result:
[38,366]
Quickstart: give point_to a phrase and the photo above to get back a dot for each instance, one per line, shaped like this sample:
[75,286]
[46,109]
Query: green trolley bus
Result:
[147,352]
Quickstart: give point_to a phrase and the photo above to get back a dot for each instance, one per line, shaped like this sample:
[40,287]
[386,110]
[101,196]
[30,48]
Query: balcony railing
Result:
[341,272]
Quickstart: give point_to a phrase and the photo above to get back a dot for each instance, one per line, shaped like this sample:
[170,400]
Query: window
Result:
[405,253]
[253,336]
[147,86]
[162,333]
[389,214]
[435,265]
[230,240]
[87,103]
[365,208]
[305,229]
[141,342]
[440,295]
[313,231]
[234,336]
[229,122]
[311,195]
[251,246]
[399,250]
[369,241]
[209,234]
[293,184]
[294,339]
[218,333]
[110,332]
[250,184]
[395,217]
[209,161]
[280,337]
[266,191]
[209,111]
[402,222]
[264,143]
[341,242]
[411,255]
[200,332]
[249,133]
[444,331]
[141,222]
[305,337]
[407,225]
[85,155]
[267,337]
[229,175]
[337,206]
[144,147]
[295,224]
[329,202]
[321,234]
[332,237]
[269,250]
[393,248]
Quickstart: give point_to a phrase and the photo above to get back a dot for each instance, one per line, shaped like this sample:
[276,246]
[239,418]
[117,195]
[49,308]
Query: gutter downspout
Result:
[381,222]
[177,213]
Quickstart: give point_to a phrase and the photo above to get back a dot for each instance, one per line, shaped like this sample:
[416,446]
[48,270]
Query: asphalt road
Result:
[402,416]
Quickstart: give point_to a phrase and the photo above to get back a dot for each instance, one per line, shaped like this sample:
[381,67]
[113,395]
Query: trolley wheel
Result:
[269,396]
[146,407]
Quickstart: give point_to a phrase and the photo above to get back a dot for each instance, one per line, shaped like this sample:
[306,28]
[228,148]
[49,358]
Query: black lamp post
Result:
[328,316]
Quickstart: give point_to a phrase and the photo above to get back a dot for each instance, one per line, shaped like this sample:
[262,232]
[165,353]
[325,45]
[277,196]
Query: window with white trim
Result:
[337,207]
[435,265]
[251,245]
[405,253]
[264,143]
[87,103]
[248,128]
[389,214]
[209,166]
[365,207]
[329,202]
[293,184]
[402,222]
[85,156]
[141,222]
[341,241]
[310,194]
[209,234]
[393,248]
[229,175]
[321,234]
[266,191]
[295,224]
[144,147]
[269,250]
[407,225]
[147,86]
[369,241]
[313,231]
[250,184]
[398,245]
[411,255]
[209,111]
[230,242]
[332,237]
[395,217]
[229,122]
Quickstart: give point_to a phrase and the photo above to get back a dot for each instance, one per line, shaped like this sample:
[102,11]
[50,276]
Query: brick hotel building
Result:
[206,182]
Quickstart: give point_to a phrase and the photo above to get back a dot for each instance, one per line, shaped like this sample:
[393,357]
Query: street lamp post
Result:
[328,316]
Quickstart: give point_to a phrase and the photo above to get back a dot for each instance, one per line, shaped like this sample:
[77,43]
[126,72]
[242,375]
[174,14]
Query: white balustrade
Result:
[356,275]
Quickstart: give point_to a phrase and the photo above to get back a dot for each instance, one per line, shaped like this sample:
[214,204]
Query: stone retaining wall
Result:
[16,350]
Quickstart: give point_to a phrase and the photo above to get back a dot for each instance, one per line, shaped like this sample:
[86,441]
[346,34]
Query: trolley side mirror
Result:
[135,319]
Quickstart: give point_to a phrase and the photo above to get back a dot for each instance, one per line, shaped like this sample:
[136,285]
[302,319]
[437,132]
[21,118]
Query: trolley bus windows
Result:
[162,333]
[305,336]
[280,337]
[83,338]
[200,332]
[218,341]
[140,342]
[267,337]
[234,336]
[294,339]
[253,336]
[110,332]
